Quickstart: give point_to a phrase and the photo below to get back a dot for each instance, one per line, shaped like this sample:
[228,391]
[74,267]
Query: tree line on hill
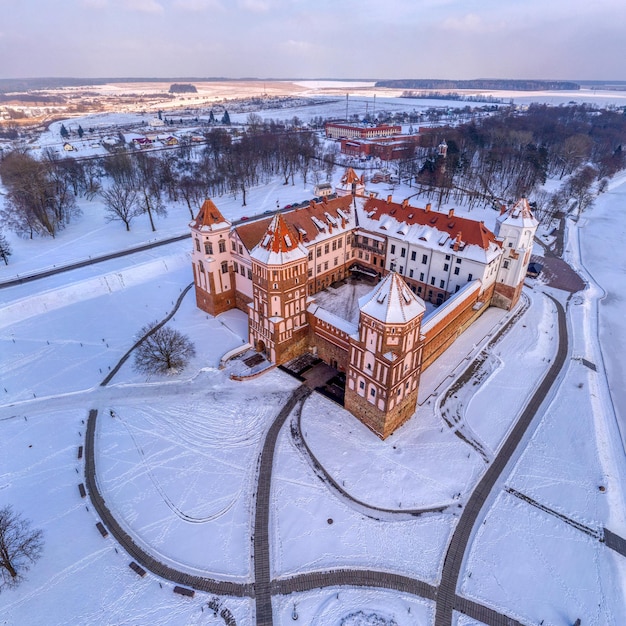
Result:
[481,83]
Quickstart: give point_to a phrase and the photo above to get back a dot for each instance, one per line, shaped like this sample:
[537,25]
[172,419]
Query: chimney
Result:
[312,204]
[502,209]
[451,213]
[428,207]
[389,199]
[405,203]
[457,242]
[343,222]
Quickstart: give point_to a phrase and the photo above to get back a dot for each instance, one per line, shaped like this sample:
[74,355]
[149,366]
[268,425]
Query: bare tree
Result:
[5,249]
[20,547]
[163,351]
[120,203]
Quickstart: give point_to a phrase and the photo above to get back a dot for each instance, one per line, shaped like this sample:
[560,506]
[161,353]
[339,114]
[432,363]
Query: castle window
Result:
[506,265]
[393,249]
[403,252]
[242,270]
[249,274]
[235,266]
[201,266]
[470,277]
[334,245]
[424,259]
[319,269]
[447,257]
[446,267]
[361,384]
[198,245]
[222,245]
[456,270]
[432,280]
[326,249]
[208,247]
[459,260]
[233,245]
[422,276]
[339,244]
[325,265]
[410,273]
[336,262]
[310,273]
[402,269]
[442,284]
[510,244]
[413,255]
[419,290]
[240,249]
[457,288]
[392,267]
[310,256]
[373,392]
[319,252]
[224,267]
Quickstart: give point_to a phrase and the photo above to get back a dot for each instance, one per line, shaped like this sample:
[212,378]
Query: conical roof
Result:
[279,244]
[519,214]
[392,302]
[209,218]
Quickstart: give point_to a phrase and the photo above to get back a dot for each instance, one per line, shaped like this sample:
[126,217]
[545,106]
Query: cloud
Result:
[471,23]
[198,6]
[143,6]
[95,4]
[255,6]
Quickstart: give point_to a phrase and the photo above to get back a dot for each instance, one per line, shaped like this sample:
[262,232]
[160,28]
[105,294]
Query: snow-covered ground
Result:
[177,460]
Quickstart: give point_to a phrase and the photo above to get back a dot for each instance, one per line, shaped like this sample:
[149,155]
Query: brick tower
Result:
[212,266]
[385,361]
[277,318]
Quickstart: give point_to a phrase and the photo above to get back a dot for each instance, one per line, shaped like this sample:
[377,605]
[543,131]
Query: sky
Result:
[457,39]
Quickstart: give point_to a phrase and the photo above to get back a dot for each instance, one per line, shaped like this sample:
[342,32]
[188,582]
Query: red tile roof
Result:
[466,230]
[208,215]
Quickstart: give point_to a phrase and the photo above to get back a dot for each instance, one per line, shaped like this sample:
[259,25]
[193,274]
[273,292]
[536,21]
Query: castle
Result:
[272,268]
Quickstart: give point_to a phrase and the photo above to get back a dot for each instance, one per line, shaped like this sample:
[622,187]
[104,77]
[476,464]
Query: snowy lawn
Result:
[178,467]
[356,607]
[302,539]
[81,578]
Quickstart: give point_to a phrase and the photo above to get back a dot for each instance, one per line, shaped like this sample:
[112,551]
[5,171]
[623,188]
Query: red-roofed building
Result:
[336,130]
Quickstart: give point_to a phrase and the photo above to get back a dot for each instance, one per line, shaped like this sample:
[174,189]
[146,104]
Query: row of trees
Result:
[510,154]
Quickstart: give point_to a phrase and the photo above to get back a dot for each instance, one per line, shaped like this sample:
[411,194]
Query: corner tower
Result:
[515,228]
[212,265]
[277,315]
[385,361]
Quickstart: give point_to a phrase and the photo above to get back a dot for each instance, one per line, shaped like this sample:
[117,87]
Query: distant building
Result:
[386,149]
[336,130]
[271,269]
[323,189]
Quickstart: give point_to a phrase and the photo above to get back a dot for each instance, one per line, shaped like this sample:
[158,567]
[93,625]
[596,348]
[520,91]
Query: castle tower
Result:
[277,317]
[212,267]
[350,184]
[516,229]
[385,361]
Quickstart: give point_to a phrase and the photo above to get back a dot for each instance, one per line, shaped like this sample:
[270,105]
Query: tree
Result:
[64,132]
[20,547]
[163,351]
[5,249]
[81,132]
[120,203]
[226,118]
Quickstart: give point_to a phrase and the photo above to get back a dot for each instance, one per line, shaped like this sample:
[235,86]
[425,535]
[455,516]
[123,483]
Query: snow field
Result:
[179,471]
[80,578]
[330,606]
[303,540]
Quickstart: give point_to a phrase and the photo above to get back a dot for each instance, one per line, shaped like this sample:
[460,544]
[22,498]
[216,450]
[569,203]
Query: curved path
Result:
[447,599]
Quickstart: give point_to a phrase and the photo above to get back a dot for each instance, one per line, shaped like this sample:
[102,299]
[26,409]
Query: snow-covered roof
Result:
[279,244]
[332,319]
[518,215]
[209,218]
[392,302]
